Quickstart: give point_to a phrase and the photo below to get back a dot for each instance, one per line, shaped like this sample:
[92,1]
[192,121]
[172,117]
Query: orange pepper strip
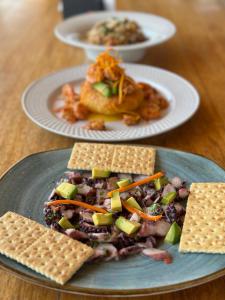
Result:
[140,213]
[78,203]
[140,182]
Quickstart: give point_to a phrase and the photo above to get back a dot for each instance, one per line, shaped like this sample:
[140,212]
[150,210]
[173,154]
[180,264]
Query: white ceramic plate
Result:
[42,96]
[156,29]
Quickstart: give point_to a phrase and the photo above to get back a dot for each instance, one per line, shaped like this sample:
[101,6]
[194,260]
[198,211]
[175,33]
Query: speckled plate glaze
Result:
[26,186]
[39,101]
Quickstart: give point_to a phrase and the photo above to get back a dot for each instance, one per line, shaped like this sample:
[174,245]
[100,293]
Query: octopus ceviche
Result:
[117,214]
[108,92]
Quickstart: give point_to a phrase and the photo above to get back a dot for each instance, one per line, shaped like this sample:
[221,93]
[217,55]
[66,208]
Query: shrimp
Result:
[95,73]
[80,111]
[150,111]
[95,125]
[131,119]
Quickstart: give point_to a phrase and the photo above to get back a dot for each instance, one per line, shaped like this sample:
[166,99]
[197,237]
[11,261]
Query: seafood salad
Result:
[119,215]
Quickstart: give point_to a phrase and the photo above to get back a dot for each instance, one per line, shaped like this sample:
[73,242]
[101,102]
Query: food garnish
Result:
[77,203]
[137,183]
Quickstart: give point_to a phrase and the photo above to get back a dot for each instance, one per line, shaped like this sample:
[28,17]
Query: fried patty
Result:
[98,103]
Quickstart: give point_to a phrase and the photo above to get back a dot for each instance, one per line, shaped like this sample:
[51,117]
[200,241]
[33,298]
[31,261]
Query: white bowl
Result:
[156,29]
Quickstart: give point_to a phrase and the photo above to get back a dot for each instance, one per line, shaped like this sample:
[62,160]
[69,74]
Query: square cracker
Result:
[46,251]
[56,256]
[115,158]
[86,156]
[13,239]
[133,159]
[204,224]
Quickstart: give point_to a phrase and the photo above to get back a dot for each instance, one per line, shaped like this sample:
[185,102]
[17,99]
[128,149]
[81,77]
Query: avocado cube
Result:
[132,202]
[102,219]
[123,182]
[115,90]
[160,182]
[173,235]
[103,88]
[65,223]
[66,190]
[97,173]
[116,204]
[127,226]
[168,198]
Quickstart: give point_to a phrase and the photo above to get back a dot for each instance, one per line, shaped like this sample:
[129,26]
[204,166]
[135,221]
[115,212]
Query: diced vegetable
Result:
[168,198]
[116,204]
[66,190]
[102,219]
[123,182]
[65,223]
[160,182]
[127,226]
[174,233]
[97,173]
[103,88]
[132,202]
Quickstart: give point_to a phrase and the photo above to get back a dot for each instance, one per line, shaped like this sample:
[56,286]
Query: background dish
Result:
[32,188]
[38,101]
[155,28]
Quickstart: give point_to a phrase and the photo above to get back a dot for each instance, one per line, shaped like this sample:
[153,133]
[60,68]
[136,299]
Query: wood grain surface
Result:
[28,50]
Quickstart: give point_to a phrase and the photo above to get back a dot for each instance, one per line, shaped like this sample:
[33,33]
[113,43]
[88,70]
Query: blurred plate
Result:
[157,30]
[27,185]
[42,96]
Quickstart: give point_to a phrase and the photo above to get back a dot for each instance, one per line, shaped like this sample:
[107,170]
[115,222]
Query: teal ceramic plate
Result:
[26,186]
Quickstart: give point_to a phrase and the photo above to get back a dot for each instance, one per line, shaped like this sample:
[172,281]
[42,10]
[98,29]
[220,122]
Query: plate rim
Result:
[109,139]
[111,292]
[121,48]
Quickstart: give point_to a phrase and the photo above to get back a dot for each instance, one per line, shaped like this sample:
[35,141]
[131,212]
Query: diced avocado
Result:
[123,182]
[132,202]
[168,198]
[160,182]
[97,173]
[116,204]
[127,226]
[103,88]
[174,233]
[66,190]
[65,223]
[102,219]
[115,90]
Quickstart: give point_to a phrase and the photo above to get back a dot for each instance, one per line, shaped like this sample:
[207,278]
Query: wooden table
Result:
[28,50]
